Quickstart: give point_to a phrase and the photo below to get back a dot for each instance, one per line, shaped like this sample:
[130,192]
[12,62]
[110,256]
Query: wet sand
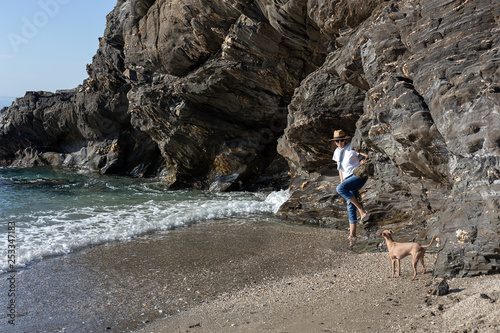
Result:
[122,286]
[251,277]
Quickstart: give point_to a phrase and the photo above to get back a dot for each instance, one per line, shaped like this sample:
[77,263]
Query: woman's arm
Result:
[362,160]
[341,176]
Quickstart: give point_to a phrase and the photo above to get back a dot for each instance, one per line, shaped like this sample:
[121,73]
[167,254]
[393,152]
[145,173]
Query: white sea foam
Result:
[276,199]
[63,229]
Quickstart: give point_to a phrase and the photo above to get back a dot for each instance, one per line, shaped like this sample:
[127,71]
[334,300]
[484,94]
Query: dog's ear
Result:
[390,231]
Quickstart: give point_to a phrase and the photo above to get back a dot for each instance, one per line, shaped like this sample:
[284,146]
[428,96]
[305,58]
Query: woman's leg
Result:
[352,232]
[351,211]
[359,206]
[353,218]
[348,189]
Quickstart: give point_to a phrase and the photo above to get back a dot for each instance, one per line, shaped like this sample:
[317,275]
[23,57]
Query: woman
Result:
[348,160]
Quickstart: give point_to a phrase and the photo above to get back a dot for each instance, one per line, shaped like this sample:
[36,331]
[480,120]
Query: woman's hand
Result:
[365,156]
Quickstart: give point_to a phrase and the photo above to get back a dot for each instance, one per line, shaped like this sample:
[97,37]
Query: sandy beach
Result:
[356,296]
[244,277]
[347,292]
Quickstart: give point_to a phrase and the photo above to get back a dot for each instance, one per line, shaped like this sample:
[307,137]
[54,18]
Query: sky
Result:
[46,44]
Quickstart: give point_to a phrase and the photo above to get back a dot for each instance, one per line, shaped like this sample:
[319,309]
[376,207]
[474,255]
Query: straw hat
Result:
[340,135]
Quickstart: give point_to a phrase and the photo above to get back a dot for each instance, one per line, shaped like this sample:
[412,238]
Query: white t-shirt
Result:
[350,160]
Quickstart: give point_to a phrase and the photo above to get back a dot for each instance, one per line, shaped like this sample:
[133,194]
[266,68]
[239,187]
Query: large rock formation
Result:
[418,85]
[206,94]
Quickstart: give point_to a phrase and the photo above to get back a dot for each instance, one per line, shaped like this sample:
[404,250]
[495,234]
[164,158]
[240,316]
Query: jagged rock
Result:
[441,288]
[427,121]
[205,94]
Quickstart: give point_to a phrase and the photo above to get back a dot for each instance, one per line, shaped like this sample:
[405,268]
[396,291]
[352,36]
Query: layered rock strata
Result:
[238,94]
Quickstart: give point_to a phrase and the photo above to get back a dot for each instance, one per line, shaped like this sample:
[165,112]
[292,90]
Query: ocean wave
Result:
[65,227]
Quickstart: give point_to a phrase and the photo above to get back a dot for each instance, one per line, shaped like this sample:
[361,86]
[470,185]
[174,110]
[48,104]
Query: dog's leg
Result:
[393,268]
[399,267]
[414,261]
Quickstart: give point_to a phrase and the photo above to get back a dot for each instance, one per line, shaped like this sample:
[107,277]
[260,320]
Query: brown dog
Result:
[398,251]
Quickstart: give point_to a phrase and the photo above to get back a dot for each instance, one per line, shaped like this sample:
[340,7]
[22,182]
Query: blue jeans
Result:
[349,189]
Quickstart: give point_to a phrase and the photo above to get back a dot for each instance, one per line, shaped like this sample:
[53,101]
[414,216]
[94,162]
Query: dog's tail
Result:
[432,240]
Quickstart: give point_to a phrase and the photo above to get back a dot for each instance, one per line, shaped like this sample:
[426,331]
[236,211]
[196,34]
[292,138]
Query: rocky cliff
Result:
[244,94]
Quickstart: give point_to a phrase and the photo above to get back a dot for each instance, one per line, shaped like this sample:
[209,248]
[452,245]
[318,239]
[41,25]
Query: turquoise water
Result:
[46,212]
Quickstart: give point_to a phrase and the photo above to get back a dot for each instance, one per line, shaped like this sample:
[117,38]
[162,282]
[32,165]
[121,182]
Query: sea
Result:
[6,101]
[72,244]
[46,212]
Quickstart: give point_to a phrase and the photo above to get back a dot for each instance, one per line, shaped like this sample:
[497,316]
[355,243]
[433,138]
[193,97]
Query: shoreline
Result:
[225,276]
[123,286]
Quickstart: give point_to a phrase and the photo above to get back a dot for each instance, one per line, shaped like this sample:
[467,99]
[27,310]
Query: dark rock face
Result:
[237,94]
[428,75]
